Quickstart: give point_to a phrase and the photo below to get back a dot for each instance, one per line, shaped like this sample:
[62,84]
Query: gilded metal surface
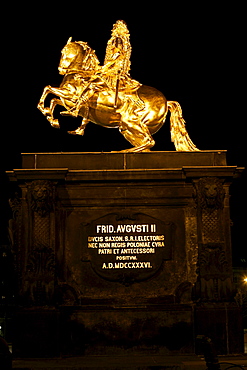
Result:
[108,96]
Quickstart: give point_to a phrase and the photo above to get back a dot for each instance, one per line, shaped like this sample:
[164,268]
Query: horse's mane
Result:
[90,61]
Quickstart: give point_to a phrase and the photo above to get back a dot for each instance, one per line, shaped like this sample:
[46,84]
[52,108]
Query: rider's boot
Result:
[74,111]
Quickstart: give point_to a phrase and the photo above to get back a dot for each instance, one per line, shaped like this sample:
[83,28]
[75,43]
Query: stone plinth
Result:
[123,161]
[120,250]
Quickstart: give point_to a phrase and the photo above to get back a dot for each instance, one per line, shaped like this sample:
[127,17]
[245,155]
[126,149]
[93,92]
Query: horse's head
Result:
[77,56]
[72,57]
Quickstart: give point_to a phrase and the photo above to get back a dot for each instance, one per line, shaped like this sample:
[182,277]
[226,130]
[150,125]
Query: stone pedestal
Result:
[120,253]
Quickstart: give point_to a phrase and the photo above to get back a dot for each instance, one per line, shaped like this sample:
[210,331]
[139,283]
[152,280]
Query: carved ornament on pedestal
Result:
[213,263]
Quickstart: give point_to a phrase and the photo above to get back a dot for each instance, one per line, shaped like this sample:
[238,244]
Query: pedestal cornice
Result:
[118,167]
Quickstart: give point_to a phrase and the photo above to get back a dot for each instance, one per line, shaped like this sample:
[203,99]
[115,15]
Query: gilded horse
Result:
[137,112]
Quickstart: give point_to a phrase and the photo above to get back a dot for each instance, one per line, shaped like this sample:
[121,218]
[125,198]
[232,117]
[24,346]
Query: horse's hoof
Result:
[41,108]
[54,123]
[76,132]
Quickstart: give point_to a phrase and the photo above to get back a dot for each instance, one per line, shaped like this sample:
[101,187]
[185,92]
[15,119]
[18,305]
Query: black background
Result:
[193,52]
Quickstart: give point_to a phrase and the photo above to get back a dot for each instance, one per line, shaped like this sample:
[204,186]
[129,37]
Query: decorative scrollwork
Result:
[39,277]
[213,261]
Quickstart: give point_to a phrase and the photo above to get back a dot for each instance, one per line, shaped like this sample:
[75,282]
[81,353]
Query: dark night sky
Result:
[193,54]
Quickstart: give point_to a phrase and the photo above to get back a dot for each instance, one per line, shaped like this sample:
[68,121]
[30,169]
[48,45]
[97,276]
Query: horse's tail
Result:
[179,134]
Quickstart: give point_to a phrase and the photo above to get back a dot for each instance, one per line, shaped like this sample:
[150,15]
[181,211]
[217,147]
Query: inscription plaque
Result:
[127,248]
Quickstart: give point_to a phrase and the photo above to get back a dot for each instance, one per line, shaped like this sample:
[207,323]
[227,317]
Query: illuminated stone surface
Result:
[123,253]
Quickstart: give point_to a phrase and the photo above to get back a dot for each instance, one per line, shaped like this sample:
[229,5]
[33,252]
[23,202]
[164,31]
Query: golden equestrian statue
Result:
[108,96]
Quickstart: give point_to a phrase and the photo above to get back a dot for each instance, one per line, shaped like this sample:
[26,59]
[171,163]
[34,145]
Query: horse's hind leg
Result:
[80,130]
[138,135]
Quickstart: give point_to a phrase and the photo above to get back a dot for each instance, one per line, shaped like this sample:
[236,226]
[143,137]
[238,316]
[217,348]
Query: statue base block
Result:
[118,251]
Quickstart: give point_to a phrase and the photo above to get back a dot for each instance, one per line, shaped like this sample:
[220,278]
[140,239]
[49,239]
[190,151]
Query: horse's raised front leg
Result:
[48,111]
[49,115]
[41,104]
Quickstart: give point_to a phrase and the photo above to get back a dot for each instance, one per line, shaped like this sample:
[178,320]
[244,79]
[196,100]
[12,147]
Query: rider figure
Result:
[115,71]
